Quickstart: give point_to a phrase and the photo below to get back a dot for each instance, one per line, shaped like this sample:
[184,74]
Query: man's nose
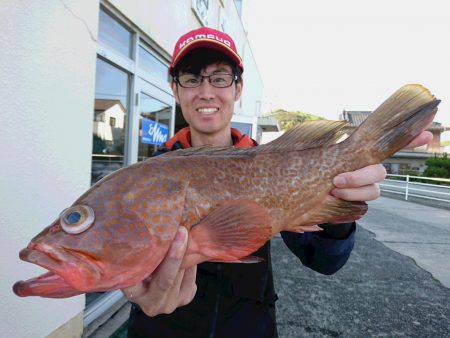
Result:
[206,90]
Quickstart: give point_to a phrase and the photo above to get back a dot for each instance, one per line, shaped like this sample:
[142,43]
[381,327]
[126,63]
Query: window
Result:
[200,8]
[111,104]
[239,6]
[99,116]
[150,64]
[114,34]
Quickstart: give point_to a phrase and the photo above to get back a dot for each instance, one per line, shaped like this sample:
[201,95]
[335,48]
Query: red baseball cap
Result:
[205,38]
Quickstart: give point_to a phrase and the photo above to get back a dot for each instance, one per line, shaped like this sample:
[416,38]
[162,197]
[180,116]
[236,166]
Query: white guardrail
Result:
[406,185]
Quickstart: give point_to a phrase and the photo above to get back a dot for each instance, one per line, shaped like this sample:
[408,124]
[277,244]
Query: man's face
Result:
[208,109]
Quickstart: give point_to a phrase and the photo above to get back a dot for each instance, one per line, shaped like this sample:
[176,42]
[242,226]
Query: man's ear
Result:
[174,87]
[239,86]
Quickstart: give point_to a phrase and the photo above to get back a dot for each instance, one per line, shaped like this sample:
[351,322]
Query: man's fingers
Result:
[188,287]
[164,277]
[423,138]
[171,299]
[361,177]
[366,193]
[136,291]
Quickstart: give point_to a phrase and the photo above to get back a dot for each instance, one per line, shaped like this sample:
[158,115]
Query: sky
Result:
[324,56]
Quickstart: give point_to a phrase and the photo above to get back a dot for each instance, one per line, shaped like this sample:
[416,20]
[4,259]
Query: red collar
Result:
[184,137]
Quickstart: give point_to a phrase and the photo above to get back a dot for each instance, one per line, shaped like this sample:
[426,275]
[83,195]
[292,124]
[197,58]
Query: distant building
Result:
[404,160]
[109,119]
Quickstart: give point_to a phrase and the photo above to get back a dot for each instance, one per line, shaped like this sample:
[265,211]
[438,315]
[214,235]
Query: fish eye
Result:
[76,219]
[73,217]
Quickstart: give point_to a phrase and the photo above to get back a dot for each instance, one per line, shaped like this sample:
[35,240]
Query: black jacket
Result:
[238,300]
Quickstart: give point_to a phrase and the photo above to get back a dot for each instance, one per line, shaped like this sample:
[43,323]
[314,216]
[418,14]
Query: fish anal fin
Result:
[333,210]
[229,233]
[246,260]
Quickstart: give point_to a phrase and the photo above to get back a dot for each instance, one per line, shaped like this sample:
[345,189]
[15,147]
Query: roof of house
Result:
[356,117]
[103,104]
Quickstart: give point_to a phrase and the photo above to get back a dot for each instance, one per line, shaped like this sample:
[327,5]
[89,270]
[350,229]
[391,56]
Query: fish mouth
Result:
[70,273]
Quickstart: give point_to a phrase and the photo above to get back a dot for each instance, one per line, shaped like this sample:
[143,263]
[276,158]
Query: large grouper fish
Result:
[232,201]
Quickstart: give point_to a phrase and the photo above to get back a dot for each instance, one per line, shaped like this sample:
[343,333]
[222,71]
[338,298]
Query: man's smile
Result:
[207,111]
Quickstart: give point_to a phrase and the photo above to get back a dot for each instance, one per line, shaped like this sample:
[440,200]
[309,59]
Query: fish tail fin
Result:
[394,124]
[229,233]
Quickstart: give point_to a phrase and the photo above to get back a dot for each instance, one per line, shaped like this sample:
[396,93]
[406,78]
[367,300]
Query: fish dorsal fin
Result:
[310,134]
[307,135]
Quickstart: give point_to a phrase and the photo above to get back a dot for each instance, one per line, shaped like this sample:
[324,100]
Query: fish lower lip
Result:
[48,285]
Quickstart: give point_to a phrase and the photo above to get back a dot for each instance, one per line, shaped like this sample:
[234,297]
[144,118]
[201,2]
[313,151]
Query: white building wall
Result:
[47,69]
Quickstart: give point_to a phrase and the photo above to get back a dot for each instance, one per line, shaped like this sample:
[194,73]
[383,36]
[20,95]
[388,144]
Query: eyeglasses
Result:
[216,80]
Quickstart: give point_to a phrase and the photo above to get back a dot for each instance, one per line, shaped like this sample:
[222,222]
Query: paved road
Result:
[380,292]
[416,231]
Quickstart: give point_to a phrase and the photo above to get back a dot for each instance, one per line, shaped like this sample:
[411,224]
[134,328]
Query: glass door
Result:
[154,125]
[153,120]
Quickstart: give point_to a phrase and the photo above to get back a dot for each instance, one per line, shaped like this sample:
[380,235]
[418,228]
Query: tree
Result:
[288,119]
[438,167]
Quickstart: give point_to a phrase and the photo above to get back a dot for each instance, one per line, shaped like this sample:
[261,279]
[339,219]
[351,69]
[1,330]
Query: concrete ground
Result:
[414,230]
[379,292]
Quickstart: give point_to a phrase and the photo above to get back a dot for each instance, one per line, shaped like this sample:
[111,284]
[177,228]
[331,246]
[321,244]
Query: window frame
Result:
[131,66]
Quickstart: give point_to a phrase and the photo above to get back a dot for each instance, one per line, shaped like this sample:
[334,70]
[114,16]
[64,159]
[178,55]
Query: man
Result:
[226,299]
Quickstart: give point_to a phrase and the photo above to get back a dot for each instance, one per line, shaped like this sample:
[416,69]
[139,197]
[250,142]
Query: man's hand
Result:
[362,184]
[169,286]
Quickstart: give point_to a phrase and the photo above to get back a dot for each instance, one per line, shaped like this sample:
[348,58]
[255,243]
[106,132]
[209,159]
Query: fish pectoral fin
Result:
[230,232]
[333,210]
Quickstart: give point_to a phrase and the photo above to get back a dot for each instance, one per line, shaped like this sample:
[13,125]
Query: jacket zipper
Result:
[217,305]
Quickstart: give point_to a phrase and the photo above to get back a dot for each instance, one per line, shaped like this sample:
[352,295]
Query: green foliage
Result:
[445,143]
[99,146]
[410,172]
[438,167]
[288,119]
[436,172]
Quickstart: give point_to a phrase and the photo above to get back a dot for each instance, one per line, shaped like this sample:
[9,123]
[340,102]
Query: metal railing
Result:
[101,305]
[408,186]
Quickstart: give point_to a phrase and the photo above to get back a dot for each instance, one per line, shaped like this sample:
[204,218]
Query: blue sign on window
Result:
[154,132]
